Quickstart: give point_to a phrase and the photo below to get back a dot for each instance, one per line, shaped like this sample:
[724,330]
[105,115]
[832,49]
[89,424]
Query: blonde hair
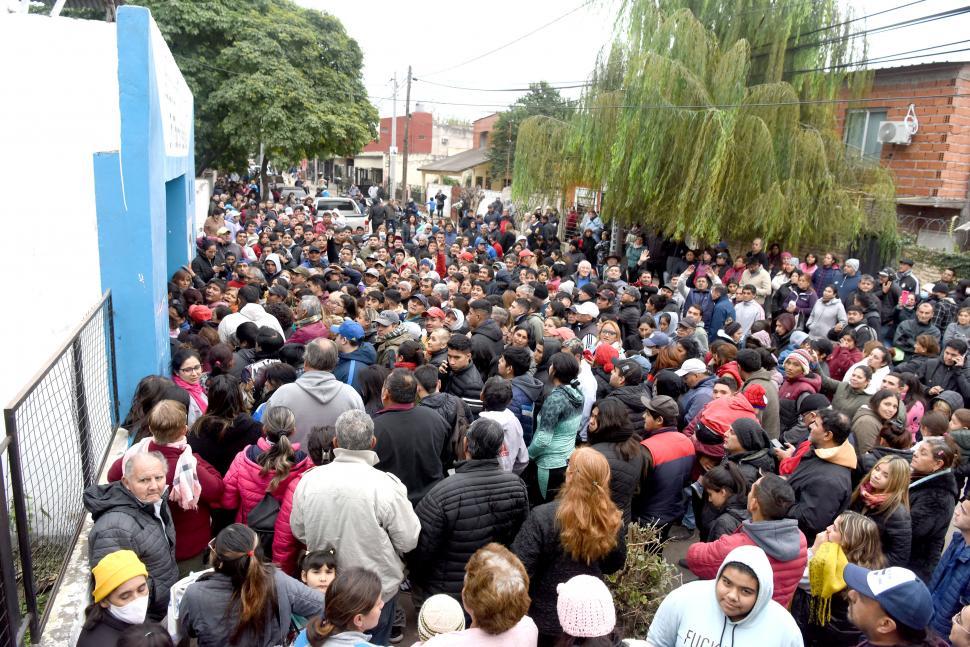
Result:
[587,517]
[167,421]
[860,540]
[896,490]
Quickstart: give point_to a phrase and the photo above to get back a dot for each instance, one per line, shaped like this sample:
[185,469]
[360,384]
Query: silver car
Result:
[348,209]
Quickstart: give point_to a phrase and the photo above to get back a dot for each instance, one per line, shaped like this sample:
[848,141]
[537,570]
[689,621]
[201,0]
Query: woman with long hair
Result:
[911,390]
[187,371]
[725,501]
[883,496]
[932,494]
[870,418]
[579,533]
[611,434]
[266,468]
[244,601]
[856,537]
[852,393]
[353,608]
[226,428]
[151,390]
[372,382]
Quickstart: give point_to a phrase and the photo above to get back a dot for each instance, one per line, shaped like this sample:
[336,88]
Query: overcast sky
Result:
[439,37]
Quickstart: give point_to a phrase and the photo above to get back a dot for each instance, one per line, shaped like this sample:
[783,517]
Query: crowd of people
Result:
[465,410]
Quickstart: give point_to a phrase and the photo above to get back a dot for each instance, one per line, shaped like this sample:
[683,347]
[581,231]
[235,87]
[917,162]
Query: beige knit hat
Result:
[585,607]
[440,614]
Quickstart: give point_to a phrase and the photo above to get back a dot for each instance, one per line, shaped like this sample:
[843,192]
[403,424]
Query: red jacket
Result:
[193,528]
[285,546]
[782,541]
[804,384]
[246,487]
[841,359]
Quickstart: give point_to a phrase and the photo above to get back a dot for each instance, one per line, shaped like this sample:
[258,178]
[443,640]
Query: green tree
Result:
[267,72]
[711,119]
[541,100]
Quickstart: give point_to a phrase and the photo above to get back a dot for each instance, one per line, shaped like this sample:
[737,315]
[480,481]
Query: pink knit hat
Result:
[585,607]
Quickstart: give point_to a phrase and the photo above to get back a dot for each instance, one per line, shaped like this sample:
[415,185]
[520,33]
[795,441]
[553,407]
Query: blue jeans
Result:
[381,634]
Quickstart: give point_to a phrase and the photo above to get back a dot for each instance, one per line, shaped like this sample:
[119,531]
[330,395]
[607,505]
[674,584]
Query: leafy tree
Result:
[267,72]
[542,99]
[711,119]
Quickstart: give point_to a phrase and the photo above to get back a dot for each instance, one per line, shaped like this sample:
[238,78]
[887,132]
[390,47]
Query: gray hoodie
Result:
[317,398]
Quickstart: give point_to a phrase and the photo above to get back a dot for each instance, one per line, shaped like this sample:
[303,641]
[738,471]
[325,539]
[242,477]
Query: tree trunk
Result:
[264,192]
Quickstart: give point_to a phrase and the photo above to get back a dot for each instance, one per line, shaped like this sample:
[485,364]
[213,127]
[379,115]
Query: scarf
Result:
[788,465]
[872,498]
[825,577]
[408,365]
[186,488]
[306,321]
[195,390]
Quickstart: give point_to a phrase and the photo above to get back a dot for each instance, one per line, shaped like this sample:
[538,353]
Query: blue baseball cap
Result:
[657,340]
[897,590]
[349,329]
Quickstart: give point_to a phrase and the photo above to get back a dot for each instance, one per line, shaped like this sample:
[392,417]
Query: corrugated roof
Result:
[457,163]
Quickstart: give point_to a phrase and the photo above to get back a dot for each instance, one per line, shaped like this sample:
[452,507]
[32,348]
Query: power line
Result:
[852,20]
[891,58]
[511,42]
[577,84]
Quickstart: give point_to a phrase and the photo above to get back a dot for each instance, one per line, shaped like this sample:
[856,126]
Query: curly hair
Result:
[496,590]
[587,517]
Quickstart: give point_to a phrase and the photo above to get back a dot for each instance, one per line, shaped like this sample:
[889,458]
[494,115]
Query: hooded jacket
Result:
[487,344]
[317,398]
[769,416]
[931,501]
[526,391]
[249,312]
[691,615]
[782,541]
[350,365]
[823,485]
[630,396]
[123,522]
[824,316]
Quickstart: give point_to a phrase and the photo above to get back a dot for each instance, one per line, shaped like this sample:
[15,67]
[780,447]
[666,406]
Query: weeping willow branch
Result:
[678,127]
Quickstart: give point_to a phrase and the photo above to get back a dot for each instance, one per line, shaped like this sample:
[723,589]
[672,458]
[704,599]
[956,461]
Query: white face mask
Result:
[133,613]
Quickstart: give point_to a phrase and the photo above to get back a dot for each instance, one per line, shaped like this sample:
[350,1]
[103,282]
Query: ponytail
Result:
[239,555]
[353,592]
[278,424]
[726,476]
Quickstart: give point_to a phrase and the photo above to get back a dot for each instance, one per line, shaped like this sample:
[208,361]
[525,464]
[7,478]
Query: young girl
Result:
[319,568]
[725,501]
[353,607]
[932,495]
[883,495]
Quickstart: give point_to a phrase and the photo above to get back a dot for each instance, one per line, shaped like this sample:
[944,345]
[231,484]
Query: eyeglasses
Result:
[958,621]
[191,369]
[611,333]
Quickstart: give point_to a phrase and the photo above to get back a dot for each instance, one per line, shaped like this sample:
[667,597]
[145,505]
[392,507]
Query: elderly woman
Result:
[309,323]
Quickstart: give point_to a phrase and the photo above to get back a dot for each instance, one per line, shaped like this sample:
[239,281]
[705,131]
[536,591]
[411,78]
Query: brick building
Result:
[932,172]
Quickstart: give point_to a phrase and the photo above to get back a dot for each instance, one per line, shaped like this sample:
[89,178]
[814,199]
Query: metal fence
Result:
[58,431]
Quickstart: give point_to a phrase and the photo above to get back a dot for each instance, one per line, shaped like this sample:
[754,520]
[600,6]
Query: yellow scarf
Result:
[825,577]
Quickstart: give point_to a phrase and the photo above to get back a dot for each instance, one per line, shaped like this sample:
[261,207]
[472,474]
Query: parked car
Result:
[348,209]
[298,193]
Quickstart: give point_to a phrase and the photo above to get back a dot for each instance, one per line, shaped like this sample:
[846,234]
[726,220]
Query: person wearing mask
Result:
[822,481]
[362,512]
[669,458]
[133,514]
[735,606]
[317,397]
[579,533]
[890,607]
[769,501]
[412,441]
[950,584]
[243,601]
[121,597]
[481,503]
[195,487]
[932,495]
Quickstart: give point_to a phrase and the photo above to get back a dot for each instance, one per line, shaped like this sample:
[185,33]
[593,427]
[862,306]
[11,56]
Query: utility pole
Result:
[407,128]
[392,175]
[508,155]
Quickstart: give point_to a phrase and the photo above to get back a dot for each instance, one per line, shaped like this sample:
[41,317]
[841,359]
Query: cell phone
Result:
[776,444]
[904,297]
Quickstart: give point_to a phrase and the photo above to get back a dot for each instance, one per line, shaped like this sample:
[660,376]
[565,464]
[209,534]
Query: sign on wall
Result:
[174,98]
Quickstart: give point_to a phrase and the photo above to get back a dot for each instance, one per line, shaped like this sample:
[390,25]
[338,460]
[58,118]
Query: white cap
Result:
[692,365]
[587,308]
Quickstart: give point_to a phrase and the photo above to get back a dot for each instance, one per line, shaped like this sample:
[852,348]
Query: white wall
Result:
[60,106]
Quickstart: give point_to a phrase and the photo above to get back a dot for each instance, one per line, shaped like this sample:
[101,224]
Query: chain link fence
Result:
[58,432]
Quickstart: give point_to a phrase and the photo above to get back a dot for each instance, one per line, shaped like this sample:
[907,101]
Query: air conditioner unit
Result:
[894,132]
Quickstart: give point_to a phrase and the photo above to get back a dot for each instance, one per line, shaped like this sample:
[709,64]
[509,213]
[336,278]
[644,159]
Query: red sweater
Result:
[193,528]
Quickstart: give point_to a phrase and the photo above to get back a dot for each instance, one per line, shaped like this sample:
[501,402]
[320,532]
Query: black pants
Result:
[557,477]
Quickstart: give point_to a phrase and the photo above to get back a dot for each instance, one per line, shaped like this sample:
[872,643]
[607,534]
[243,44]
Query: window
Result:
[483,140]
[421,137]
[444,141]
[861,128]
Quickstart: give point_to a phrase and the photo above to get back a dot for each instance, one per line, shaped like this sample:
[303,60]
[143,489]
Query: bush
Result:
[643,582]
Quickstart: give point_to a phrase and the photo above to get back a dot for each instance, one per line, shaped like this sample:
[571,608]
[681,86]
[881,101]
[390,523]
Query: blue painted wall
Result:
[145,198]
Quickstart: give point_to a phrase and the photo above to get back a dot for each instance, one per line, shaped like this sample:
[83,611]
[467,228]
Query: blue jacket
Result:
[825,275]
[526,390]
[848,285]
[950,584]
[723,310]
[350,365]
[694,400]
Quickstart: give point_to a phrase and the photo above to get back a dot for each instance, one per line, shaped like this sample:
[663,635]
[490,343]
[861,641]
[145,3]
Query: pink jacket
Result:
[246,487]
[781,540]
[285,546]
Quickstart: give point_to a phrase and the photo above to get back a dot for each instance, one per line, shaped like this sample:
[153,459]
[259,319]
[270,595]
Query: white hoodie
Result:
[690,616]
[515,455]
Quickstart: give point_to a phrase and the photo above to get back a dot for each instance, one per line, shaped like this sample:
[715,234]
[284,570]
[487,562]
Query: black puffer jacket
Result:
[630,397]
[624,476]
[123,522]
[478,504]
[487,344]
[895,531]
[931,502]
[541,552]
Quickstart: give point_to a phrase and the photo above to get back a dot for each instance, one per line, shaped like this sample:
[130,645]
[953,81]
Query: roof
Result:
[458,163]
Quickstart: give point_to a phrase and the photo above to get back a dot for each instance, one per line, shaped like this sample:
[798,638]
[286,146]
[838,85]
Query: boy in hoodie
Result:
[733,609]
[769,501]
[496,397]
[354,354]
[514,366]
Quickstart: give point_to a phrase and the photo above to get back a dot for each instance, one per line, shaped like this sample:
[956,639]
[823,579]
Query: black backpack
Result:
[262,520]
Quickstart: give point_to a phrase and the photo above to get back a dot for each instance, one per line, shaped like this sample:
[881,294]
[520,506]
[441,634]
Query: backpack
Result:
[262,520]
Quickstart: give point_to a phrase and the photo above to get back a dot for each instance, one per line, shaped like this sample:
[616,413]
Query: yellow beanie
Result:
[825,578]
[115,569]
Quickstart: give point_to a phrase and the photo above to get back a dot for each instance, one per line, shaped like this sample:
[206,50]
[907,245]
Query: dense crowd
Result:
[470,408]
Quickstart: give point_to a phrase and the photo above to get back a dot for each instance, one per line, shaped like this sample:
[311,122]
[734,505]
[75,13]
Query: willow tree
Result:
[715,119]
